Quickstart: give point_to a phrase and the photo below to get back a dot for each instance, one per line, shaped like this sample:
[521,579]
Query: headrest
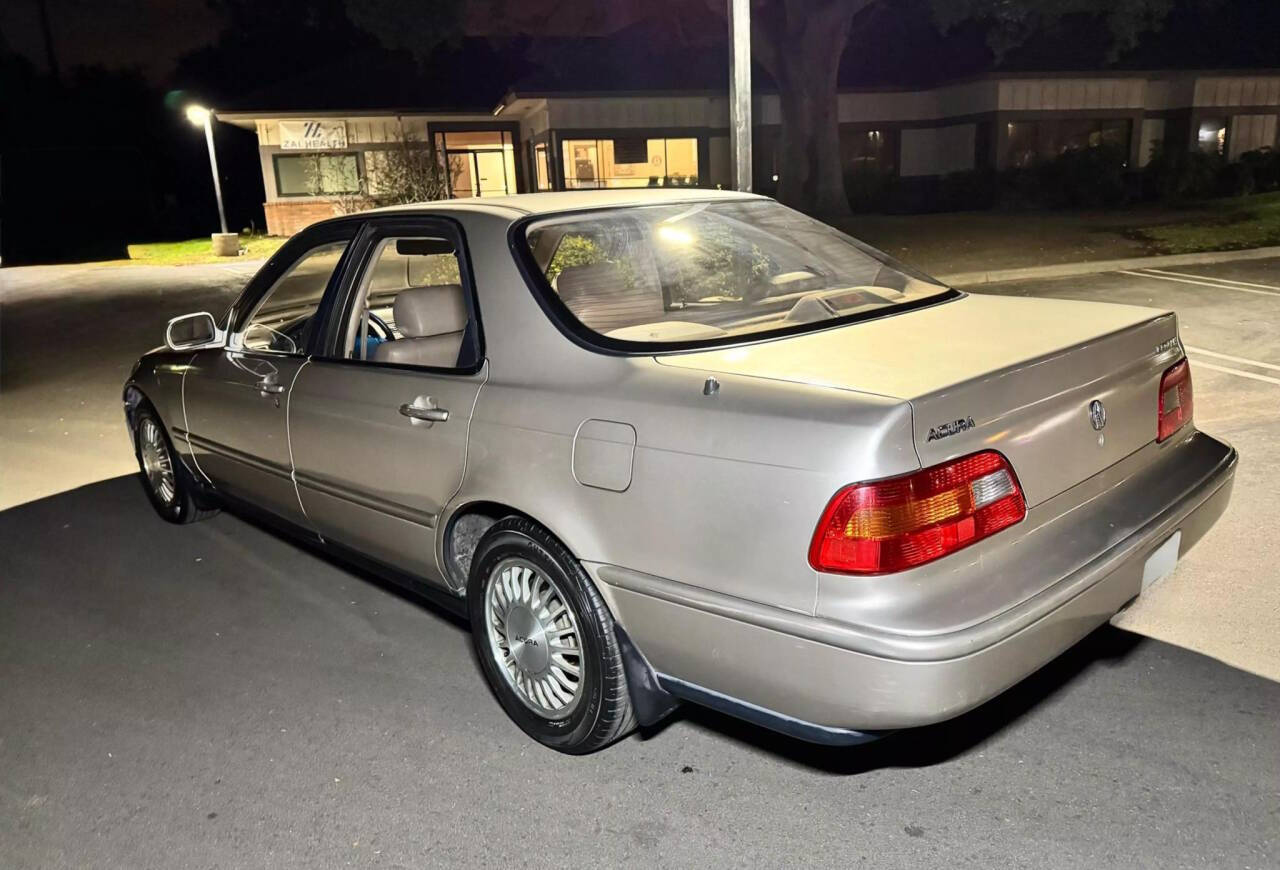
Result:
[425,311]
[594,279]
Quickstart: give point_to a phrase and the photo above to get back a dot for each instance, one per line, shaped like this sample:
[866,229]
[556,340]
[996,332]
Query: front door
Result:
[491,173]
[379,421]
[236,398]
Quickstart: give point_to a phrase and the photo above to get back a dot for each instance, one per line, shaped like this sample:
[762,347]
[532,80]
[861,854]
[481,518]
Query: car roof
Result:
[522,204]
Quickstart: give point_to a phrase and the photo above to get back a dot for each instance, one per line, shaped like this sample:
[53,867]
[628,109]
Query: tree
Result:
[406,171]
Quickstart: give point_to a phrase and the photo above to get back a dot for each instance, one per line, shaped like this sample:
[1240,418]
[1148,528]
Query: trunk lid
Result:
[990,372]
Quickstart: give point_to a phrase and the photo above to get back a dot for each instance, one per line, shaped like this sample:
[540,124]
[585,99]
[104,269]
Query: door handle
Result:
[269,388]
[427,415]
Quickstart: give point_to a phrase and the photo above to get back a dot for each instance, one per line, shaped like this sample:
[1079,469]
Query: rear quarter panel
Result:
[725,490]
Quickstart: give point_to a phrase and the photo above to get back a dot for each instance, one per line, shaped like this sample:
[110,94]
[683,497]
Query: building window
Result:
[317,174]
[865,150]
[541,167]
[630,162]
[478,162]
[1029,142]
[1212,136]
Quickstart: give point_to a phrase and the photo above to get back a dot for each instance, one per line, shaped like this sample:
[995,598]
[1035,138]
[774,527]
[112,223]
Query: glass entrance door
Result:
[479,163]
[491,171]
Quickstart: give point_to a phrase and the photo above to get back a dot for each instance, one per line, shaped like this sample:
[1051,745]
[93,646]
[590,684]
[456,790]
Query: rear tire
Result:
[168,484]
[545,640]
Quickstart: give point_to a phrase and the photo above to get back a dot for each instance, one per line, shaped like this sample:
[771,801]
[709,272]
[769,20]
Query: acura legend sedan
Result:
[666,445]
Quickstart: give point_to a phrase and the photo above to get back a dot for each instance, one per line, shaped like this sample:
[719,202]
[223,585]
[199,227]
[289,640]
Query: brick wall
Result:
[286,217]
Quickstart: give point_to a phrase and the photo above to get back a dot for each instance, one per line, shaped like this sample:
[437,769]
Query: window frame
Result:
[285,258]
[327,343]
[572,328]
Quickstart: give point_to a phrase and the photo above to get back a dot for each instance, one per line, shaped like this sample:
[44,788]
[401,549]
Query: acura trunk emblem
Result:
[1097,415]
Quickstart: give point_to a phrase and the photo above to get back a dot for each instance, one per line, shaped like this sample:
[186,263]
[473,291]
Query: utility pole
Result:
[740,91]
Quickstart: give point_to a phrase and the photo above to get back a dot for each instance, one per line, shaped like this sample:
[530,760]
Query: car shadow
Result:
[932,744]
[109,520]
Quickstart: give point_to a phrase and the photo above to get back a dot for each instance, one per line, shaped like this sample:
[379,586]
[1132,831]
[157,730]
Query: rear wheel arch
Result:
[465,527]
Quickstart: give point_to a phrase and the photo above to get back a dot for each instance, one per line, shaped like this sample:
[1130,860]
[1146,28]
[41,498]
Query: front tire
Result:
[166,480]
[545,640]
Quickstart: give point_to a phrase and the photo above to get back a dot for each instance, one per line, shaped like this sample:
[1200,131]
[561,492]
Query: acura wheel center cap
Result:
[528,640]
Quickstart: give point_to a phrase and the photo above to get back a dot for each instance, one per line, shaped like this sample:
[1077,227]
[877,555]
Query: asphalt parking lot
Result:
[215,696]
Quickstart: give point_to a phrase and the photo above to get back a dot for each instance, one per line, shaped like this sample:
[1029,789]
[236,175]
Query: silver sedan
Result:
[679,445]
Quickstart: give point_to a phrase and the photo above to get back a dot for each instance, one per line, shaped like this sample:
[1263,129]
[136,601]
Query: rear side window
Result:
[704,273]
[410,307]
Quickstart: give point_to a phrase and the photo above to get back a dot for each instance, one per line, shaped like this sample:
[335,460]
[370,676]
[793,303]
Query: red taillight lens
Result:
[1175,399]
[890,525]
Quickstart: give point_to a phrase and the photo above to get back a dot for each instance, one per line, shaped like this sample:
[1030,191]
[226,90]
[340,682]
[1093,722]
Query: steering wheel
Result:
[380,327]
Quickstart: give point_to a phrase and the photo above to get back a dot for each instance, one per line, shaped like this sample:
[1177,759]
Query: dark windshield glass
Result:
[699,272]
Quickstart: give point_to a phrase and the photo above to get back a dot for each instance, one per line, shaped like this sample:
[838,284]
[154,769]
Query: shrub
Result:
[970,189]
[1175,174]
[868,189]
[1264,165]
[1083,178]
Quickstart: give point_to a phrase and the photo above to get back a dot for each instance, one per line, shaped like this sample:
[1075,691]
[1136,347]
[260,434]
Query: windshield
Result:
[690,274]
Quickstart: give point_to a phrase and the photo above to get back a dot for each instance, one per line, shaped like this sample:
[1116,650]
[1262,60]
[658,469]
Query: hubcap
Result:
[156,463]
[534,638]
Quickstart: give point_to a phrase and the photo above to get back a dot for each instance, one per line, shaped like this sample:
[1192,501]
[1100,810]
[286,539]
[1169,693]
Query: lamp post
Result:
[740,91]
[202,117]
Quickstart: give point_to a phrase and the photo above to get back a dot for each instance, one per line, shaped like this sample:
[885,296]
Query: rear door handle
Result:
[428,415]
[270,388]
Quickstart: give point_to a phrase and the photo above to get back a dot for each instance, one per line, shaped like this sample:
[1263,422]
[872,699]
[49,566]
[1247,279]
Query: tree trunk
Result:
[802,49]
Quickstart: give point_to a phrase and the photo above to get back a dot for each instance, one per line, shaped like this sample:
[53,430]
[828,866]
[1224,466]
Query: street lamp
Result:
[202,117]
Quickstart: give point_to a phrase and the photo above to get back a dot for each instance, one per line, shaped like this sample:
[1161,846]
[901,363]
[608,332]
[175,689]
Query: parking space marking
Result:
[1207,365]
[1271,287]
[1227,356]
[1199,283]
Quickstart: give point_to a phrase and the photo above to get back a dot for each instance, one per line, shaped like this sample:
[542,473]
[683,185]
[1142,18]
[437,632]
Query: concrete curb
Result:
[1088,267]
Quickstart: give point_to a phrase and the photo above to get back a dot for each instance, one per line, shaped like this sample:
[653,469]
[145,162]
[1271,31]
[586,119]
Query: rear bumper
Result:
[828,680]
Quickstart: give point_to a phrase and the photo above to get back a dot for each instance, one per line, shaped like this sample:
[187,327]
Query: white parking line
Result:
[1239,359]
[1205,365]
[1271,287]
[1199,283]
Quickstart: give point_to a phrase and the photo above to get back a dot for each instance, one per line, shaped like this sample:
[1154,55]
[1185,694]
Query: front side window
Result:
[701,273]
[410,307]
[284,317]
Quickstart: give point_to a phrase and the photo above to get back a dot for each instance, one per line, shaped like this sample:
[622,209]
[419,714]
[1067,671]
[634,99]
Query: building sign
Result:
[313,135]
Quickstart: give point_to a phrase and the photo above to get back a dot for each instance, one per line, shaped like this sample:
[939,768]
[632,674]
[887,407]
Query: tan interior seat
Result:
[432,321]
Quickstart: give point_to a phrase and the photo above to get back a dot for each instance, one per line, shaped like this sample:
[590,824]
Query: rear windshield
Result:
[698,274]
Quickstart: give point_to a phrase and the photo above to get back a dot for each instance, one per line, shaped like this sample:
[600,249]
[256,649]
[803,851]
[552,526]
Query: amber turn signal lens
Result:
[899,523]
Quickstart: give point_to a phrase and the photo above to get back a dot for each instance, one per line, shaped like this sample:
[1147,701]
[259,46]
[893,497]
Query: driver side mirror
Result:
[193,332]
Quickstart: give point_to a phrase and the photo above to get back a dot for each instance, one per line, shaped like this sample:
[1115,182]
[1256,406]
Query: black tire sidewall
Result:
[573,733]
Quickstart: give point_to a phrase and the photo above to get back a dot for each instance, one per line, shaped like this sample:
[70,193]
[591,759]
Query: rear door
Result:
[379,418]
[235,397]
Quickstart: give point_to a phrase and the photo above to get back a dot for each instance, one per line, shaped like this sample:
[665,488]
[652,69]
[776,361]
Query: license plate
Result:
[1161,563]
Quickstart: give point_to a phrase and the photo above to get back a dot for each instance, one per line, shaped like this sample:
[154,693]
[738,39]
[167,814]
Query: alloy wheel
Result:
[534,638]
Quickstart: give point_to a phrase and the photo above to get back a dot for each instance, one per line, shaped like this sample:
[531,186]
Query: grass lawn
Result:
[1218,225]
[200,251]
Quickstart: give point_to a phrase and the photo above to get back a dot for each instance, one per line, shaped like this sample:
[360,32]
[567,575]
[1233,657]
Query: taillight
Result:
[898,523]
[1175,399]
